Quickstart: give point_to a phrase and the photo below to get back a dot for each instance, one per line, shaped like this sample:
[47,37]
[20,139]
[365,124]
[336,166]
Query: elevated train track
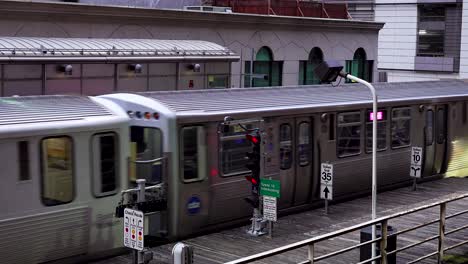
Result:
[233,244]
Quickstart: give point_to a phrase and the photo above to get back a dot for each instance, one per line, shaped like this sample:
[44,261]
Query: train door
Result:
[147,162]
[303,161]
[435,140]
[440,139]
[295,161]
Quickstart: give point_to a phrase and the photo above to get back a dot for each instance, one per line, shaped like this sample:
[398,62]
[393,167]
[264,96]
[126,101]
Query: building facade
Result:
[421,39]
[283,48]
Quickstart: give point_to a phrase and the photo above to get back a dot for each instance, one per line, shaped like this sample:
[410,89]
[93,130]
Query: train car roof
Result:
[37,115]
[213,104]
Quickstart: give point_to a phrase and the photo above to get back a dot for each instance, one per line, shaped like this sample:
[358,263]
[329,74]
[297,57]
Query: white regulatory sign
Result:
[269,208]
[416,162]
[326,181]
[133,229]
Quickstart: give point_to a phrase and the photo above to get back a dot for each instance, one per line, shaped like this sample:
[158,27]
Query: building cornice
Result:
[71,11]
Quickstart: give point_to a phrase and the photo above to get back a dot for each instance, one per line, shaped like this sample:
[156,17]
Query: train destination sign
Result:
[133,229]
[416,162]
[326,181]
[270,188]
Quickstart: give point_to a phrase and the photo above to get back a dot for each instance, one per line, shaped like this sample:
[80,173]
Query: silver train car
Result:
[66,159]
[60,173]
[303,126]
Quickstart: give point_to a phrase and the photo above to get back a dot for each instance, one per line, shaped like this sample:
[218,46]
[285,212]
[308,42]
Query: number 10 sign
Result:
[416,162]
[326,181]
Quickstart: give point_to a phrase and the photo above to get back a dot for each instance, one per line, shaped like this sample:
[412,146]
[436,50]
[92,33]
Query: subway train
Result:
[66,159]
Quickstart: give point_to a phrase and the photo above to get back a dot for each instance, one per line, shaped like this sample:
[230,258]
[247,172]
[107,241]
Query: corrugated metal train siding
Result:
[31,109]
[303,96]
[44,237]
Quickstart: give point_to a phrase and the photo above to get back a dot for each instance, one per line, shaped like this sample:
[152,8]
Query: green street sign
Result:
[270,188]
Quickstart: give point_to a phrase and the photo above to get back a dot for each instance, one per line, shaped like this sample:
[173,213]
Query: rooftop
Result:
[66,11]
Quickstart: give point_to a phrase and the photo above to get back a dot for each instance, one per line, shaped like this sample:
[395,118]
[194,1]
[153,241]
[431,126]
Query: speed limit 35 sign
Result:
[326,181]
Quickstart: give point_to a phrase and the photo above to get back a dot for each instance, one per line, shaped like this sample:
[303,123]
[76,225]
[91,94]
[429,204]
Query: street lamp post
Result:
[328,72]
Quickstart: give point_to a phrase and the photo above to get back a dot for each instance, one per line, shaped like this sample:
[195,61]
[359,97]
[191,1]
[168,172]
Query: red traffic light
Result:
[253,139]
[252,180]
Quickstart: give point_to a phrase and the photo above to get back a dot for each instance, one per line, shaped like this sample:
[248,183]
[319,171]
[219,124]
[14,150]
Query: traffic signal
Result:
[253,164]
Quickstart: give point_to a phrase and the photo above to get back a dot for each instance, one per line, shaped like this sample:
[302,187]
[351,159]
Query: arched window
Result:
[266,71]
[360,66]
[306,68]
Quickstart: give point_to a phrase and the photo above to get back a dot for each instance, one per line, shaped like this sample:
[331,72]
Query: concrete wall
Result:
[290,44]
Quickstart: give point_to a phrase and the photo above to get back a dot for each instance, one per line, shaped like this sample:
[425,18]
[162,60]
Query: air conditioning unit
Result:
[220,9]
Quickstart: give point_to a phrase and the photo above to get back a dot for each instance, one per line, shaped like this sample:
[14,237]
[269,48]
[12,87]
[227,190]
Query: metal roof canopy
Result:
[18,49]
[212,104]
[36,109]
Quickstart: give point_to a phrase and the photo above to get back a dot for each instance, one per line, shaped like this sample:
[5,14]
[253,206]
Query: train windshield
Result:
[146,154]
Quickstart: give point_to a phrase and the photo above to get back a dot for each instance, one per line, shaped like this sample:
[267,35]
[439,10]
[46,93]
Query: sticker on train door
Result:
[194,205]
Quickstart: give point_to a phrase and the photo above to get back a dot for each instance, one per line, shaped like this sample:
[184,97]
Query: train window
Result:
[304,147]
[57,170]
[23,161]
[401,127]
[429,130]
[285,146]
[105,164]
[441,125]
[348,134]
[381,117]
[193,153]
[464,112]
[233,146]
[146,145]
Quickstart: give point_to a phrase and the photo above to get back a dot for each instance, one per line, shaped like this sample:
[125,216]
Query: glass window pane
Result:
[264,54]
[401,127]
[381,136]
[146,144]
[381,130]
[285,147]
[193,159]
[302,70]
[247,74]
[23,161]
[262,67]
[107,163]
[233,146]
[276,73]
[218,81]
[431,33]
[348,134]
[304,147]
[57,171]
[346,118]
[441,126]
[429,127]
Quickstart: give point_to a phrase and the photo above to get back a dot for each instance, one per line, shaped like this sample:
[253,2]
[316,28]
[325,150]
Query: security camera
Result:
[67,69]
[195,67]
[136,68]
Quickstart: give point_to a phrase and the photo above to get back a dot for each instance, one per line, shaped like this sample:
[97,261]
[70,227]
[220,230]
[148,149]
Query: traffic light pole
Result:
[254,162]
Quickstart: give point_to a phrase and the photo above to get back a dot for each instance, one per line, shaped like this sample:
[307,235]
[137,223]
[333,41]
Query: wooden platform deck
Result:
[235,243]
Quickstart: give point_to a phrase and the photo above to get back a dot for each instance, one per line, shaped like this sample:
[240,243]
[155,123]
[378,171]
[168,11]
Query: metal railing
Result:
[383,221]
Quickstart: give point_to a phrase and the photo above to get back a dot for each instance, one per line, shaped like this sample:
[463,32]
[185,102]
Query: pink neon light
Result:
[379,116]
